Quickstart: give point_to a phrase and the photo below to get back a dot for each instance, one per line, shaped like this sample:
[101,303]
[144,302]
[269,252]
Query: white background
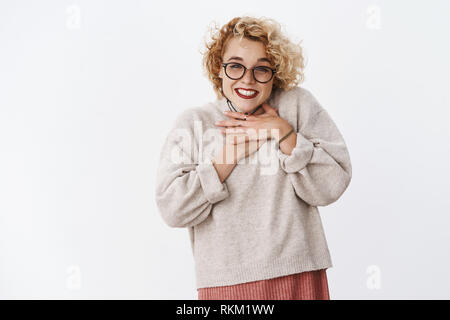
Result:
[89,89]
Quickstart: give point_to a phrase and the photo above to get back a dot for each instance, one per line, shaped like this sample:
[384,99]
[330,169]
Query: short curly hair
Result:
[286,56]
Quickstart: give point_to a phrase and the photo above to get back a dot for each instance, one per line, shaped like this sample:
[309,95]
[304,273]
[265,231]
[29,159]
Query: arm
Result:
[318,164]
[186,190]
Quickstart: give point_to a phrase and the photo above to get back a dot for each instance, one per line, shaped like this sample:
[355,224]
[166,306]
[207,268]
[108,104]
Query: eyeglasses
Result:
[236,71]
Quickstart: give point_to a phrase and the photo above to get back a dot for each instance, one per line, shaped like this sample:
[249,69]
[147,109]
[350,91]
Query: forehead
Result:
[247,49]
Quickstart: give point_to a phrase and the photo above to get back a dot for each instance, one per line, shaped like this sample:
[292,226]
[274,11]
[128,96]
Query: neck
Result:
[255,111]
[259,111]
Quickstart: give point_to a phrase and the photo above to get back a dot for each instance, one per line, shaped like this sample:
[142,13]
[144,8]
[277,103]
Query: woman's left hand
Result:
[268,121]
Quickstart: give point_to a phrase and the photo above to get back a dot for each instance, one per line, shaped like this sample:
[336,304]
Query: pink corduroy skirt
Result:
[309,285]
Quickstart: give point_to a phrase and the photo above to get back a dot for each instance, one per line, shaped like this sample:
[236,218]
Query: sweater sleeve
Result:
[186,190]
[319,166]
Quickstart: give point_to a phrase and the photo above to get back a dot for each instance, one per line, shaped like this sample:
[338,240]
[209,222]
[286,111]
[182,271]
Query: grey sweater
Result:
[262,222]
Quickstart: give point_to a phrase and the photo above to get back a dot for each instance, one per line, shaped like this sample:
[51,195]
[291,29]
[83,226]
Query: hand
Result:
[256,127]
[238,146]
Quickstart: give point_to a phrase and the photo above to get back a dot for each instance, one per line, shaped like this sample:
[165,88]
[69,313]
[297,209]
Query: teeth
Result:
[247,92]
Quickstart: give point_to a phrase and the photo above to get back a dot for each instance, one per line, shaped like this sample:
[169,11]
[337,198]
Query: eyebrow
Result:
[240,59]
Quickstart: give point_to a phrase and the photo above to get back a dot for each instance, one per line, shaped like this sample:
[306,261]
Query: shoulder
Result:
[304,99]
[297,105]
[297,94]
[188,117]
[307,105]
[189,127]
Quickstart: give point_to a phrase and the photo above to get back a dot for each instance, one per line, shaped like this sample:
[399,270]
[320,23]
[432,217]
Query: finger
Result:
[251,133]
[239,138]
[245,131]
[231,123]
[235,130]
[243,138]
[232,131]
[236,138]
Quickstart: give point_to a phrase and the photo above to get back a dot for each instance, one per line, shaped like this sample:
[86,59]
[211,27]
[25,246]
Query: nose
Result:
[248,77]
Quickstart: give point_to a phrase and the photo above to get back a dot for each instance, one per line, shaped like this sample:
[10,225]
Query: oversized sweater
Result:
[262,222]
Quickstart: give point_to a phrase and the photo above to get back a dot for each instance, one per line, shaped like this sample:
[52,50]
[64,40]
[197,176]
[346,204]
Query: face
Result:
[250,54]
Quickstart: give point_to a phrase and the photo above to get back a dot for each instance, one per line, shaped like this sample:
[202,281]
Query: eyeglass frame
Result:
[224,65]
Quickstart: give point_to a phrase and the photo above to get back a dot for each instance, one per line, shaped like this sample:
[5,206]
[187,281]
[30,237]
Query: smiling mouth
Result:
[246,94]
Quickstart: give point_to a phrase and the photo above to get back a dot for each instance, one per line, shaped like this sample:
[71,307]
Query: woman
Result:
[254,226]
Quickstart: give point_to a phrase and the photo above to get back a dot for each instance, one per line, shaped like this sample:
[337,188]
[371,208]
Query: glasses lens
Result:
[263,74]
[234,70]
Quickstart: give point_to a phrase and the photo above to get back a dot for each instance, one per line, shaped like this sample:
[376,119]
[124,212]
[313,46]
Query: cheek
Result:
[267,93]
[228,84]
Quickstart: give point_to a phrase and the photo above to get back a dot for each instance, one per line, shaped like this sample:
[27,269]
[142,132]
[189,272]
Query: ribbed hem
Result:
[300,156]
[213,189]
[215,277]
[309,285]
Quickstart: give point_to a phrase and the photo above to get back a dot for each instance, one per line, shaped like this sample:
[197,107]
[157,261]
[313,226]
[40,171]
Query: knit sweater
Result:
[262,222]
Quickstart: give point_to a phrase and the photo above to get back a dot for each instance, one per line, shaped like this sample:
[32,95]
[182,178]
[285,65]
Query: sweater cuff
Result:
[213,189]
[299,157]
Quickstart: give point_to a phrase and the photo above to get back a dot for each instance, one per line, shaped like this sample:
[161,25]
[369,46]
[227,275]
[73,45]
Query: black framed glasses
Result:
[236,71]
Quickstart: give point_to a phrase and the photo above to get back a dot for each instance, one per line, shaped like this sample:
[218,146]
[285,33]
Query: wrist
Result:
[287,141]
[285,131]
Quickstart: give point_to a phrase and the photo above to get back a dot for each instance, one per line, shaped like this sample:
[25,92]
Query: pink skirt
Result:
[310,285]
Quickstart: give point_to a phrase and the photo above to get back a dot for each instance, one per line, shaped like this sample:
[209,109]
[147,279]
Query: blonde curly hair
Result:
[285,56]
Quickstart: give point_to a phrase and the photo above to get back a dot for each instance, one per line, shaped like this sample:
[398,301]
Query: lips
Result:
[246,97]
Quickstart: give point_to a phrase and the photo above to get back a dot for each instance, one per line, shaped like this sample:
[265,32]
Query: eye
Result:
[263,69]
[235,66]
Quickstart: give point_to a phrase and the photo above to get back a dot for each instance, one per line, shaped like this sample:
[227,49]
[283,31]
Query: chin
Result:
[246,106]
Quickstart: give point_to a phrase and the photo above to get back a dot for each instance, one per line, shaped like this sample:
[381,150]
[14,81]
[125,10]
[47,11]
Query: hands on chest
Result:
[244,134]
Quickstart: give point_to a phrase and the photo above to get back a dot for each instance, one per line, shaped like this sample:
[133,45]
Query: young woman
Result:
[250,201]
